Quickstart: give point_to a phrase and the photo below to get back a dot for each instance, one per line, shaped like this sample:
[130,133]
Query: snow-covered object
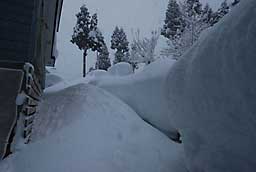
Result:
[52,79]
[21,98]
[144,92]
[120,69]
[28,68]
[98,73]
[212,96]
[91,130]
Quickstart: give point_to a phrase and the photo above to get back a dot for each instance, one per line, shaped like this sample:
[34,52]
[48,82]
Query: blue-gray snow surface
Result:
[210,95]
[83,128]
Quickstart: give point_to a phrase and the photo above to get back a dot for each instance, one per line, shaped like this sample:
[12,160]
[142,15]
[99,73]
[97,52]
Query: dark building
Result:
[27,35]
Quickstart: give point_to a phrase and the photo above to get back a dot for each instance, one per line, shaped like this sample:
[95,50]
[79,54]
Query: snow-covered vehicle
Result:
[27,35]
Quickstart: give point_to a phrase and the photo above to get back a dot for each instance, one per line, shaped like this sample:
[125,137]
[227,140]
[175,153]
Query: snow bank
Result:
[87,129]
[212,95]
[120,69]
[209,95]
[144,92]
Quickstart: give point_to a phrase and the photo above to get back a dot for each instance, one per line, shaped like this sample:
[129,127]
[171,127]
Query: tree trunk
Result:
[97,63]
[84,63]
[192,30]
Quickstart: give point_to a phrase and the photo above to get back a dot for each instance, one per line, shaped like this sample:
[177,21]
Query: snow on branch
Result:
[143,50]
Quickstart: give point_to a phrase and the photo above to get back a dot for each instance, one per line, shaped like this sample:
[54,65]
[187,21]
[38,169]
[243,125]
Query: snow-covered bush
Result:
[98,73]
[120,69]
[143,49]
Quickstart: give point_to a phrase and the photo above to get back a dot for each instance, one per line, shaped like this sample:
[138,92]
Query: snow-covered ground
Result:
[145,92]
[83,128]
[210,95]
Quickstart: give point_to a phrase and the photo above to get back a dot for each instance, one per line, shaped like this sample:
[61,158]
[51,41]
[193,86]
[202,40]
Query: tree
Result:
[143,50]
[235,2]
[103,60]
[193,7]
[85,33]
[178,46]
[222,11]
[120,43]
[207,14]
[224,8]
[192,12]
[173,20]
[196,20]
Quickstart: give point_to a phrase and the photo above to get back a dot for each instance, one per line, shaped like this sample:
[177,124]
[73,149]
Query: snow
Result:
[120,69]
[212,95]
[21,98]
[83,128]
[208,95]
[98,73]
[144,92]
[92,34]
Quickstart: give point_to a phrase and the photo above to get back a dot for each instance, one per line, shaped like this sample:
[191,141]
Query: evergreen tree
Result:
[224,8]
[94,21]
[193,8]
[222,11]
[192,13]
[84,34]
[196,20]
[173,20]
[103,60]
[207,14]
[120,43]
[235,2]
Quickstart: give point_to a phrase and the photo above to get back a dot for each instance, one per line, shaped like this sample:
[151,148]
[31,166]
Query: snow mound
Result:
[120,69]
[212,96]
[98,73]
[145,92]
[87,129]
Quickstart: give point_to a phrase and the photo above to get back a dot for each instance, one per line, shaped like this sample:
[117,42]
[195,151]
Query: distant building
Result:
[27,35]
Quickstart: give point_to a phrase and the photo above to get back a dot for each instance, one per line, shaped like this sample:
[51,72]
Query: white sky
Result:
[146,15]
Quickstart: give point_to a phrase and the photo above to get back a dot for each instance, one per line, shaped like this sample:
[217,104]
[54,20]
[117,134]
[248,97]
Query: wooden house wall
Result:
[27,32]
[16,17]
[50,15]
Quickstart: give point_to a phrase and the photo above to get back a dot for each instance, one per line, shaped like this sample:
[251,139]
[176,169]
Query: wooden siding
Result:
[15,30]
[51,15]
[8,110]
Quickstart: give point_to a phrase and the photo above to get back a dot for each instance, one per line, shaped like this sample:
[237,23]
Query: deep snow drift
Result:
[87,129]
[145,92]
[210,95]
